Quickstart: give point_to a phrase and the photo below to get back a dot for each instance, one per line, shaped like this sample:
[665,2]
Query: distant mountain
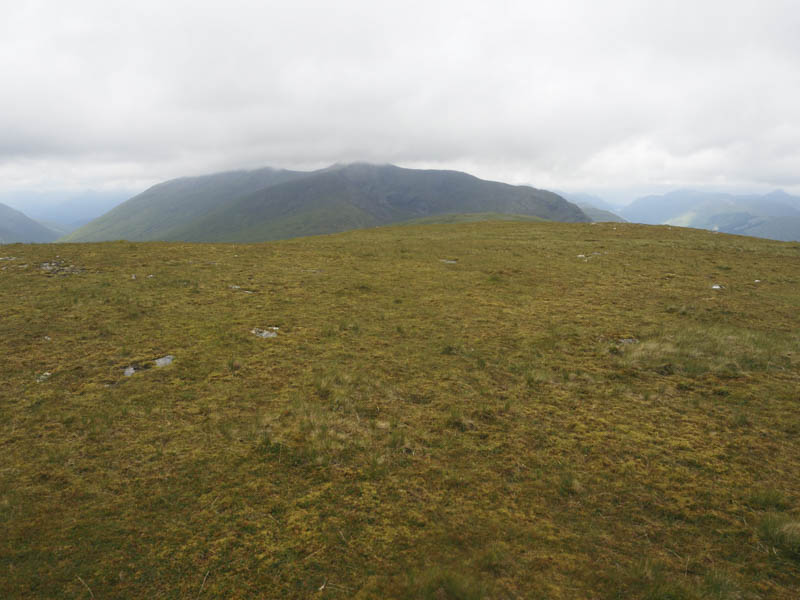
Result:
[580,198]
[775,215]
[600,216]
[269,204]
[17,227]
[658,209]
[597,209]
[157,212]
[57,228]
[78,209]
[66,210]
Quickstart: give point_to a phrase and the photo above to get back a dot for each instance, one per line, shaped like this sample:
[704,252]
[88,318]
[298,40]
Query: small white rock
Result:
[129,371]
[716,286]
[165,360]
[269,332]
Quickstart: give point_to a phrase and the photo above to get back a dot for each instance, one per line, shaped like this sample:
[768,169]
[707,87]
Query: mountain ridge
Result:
[270,204]
[16,226]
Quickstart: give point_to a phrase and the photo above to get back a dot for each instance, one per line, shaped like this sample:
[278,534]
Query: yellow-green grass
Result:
[520,423]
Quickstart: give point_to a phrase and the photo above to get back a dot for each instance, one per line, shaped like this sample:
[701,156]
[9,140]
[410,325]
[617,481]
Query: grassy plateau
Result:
[475,410]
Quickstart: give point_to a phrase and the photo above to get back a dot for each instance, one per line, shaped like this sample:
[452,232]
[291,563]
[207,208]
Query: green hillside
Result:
[477,410]
[470,218]
[17,227]
[331,200]
[599,215]
[785,228]
[153,214]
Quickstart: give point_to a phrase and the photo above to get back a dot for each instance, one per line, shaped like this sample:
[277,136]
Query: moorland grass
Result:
[558,411]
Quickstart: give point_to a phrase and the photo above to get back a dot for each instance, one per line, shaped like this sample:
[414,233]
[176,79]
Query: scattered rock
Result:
[630,340]
[581,256]
[757,281]
[165,360]
[448,261]
[47,338]
[269,332]
[8,258]
[59,267]
[150,276]
[43,377]
[133,276]
[158,362]
[717,286]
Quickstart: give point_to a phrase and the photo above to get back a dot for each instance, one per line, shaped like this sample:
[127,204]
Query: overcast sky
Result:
[617,97]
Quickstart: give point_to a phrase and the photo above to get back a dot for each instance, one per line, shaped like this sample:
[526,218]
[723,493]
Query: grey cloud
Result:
[570,94]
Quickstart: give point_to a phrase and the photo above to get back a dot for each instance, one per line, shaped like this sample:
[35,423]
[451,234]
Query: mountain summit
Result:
[270,204]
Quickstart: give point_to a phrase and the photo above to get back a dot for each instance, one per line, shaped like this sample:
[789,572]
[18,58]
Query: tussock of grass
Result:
[444,584]
[782,533]
[651,580]
[711,349]
[768,499]
[721,585]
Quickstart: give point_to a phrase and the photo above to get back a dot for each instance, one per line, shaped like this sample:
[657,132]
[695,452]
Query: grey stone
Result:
[165,360]
[269,332]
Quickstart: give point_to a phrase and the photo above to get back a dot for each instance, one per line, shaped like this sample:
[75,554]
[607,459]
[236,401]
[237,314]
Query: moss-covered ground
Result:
[480,410]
